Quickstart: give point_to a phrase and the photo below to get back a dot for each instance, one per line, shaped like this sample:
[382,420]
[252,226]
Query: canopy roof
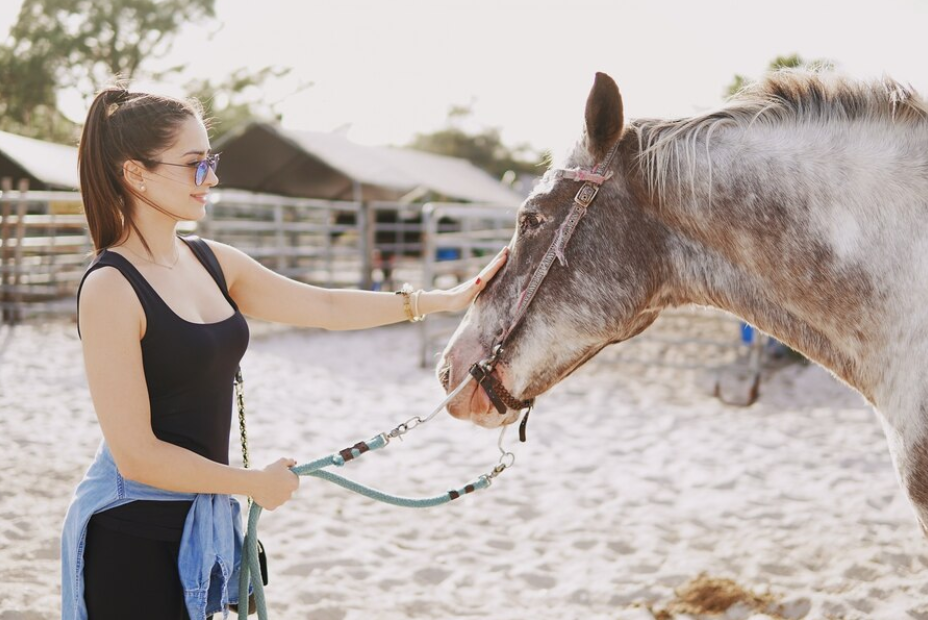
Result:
[266,158]
[47,165]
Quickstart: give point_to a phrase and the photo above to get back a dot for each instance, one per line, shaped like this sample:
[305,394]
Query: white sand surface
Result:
[634,482]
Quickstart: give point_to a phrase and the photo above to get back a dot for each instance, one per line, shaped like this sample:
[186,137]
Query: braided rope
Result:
[240,402]
[250,572]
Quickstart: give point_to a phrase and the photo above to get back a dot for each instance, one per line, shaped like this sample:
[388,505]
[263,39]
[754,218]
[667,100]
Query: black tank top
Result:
[190,371]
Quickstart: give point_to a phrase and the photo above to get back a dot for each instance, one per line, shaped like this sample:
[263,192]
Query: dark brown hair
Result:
[121,126]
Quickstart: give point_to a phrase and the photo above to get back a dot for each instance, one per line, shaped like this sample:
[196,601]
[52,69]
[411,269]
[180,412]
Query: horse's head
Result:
[606,290]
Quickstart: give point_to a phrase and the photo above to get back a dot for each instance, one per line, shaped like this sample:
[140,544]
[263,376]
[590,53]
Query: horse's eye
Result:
[528,221]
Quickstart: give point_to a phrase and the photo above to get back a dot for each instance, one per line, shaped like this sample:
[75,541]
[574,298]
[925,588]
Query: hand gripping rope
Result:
[250,570]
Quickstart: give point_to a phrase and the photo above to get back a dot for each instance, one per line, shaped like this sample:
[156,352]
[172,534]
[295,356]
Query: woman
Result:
[152,531]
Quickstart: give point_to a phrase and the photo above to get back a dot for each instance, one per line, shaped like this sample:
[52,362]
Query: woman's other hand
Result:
[276,484]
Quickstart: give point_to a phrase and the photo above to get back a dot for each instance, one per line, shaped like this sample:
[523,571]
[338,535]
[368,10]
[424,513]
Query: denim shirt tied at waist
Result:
[210,549]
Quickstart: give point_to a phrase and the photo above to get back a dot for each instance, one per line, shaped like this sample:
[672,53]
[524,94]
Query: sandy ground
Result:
[634,483]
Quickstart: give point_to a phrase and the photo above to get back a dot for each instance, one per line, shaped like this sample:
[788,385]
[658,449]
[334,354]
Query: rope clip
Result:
[506,459]
[404,428]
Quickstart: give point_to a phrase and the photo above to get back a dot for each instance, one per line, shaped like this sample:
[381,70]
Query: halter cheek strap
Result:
[592,180]
[483,371]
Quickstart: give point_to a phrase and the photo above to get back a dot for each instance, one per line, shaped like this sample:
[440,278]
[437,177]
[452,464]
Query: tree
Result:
[82,45]
[793,61]
[238,98]
[484,149]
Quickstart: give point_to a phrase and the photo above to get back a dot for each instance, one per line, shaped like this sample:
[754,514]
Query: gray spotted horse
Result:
[800,206]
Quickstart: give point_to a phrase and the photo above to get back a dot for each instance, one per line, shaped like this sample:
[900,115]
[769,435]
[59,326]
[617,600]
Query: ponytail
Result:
[101,189]
[121,126]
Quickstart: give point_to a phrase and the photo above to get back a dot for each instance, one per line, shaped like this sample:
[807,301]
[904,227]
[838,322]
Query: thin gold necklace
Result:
[148,260]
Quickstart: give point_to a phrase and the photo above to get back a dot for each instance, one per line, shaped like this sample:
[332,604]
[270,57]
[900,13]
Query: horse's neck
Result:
[816,237]
[709,278]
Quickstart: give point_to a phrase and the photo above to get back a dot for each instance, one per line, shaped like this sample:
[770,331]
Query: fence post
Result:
[366,223]
[279,240]
[6,186]
[329,219]
[429,232]
[17,311]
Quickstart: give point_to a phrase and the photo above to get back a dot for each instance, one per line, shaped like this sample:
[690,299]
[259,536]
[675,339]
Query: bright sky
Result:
[391,68]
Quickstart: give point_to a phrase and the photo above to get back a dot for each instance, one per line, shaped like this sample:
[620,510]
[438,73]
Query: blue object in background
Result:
[775,348]
[747,334]
[447,254]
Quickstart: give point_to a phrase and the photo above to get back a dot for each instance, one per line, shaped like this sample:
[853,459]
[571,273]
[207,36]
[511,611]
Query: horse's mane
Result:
[668,147]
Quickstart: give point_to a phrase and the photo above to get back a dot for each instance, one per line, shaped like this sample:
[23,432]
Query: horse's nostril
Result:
[444,376]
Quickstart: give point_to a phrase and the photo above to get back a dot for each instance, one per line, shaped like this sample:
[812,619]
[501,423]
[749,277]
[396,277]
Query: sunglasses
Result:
[203,166]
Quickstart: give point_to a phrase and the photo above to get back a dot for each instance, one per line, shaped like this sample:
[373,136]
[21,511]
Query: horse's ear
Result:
[604,117]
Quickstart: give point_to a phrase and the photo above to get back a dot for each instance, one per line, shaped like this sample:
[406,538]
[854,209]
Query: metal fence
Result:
[45,246]
[44,249]
[315,241]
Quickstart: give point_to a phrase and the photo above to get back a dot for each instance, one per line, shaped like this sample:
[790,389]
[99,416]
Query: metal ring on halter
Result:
[489,363]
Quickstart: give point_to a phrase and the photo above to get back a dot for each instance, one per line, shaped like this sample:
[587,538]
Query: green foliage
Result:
[484,149]
[81,45]
[27,99]
[792,61]
[237,99]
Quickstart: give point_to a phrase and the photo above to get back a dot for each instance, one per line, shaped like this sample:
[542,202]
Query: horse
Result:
[800,206]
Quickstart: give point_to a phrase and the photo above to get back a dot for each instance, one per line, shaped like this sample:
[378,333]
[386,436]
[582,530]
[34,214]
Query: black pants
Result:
[129,576]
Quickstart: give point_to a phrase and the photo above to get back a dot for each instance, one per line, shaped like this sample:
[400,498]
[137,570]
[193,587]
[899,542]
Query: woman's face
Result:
[171,184]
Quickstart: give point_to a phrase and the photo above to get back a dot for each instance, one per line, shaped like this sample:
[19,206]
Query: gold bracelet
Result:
[406,292]
[415,305]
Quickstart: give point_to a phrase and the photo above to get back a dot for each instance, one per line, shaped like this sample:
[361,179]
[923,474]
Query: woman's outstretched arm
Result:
[264,294]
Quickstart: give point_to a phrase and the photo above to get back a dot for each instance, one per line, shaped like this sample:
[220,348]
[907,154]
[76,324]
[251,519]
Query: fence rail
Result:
[45,246]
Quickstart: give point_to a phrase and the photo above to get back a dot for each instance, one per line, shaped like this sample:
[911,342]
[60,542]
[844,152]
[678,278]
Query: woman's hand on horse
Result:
[275,484]
[462,295]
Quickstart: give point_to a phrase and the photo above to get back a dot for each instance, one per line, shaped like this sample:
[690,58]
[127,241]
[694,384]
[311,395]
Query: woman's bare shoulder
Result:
[232,260]
[106,299]
[224,250]
[105,283]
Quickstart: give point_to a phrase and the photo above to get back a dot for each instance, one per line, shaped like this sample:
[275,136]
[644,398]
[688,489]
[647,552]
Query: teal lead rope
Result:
[250,568]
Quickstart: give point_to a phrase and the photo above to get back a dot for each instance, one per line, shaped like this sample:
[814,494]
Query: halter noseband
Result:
[482,371]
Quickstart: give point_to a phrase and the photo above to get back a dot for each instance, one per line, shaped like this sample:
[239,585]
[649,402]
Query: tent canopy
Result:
[262,157]
[48,166]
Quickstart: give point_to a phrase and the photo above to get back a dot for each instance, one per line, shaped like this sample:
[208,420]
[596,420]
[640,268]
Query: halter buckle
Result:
[586,194]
